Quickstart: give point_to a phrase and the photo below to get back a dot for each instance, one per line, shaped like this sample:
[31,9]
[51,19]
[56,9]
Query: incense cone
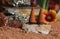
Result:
[32,18]
[42,15]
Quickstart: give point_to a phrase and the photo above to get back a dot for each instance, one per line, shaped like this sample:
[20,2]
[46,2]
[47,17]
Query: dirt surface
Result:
[16,33]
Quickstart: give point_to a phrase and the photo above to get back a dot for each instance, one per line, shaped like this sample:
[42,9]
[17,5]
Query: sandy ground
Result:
[16,33]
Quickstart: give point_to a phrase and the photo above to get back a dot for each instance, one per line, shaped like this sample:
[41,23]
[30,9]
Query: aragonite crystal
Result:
[2,19]
[14,23]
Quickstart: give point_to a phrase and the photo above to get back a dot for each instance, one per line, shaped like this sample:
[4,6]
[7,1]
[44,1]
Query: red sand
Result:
[16,33]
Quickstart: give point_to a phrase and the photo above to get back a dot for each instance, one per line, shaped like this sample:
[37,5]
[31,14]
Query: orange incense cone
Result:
[32,18]
[42,13]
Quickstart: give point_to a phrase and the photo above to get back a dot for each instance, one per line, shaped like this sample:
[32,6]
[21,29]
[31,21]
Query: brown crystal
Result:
[2,19]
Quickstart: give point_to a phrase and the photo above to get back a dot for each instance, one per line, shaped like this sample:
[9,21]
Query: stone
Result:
[44,29]
[30,28]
